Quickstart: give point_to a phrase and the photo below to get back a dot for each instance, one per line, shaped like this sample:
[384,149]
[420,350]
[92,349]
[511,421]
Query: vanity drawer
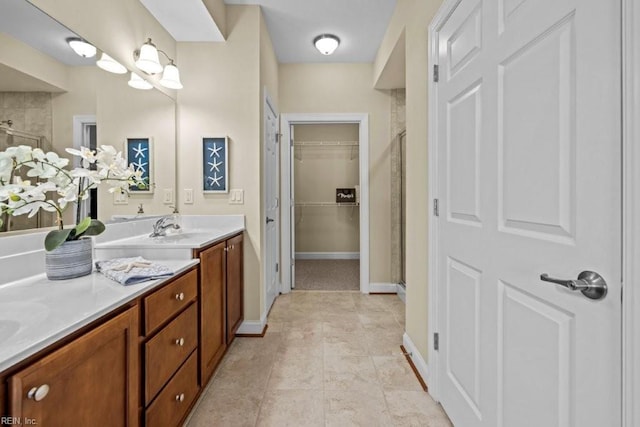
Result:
[164,303]
[175,400]
[166,351]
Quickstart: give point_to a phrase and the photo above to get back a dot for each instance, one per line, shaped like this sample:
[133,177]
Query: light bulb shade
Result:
[171,77]
[148,60]
[82,48]
[326,43]
[109,64]
[138,82]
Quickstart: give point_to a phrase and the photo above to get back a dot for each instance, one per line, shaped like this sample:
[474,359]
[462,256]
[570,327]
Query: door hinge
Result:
[436,73]
[436,341]
[277,267]
[436,207]
[278,135]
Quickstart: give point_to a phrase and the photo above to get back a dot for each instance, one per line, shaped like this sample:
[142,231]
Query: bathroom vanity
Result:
[88,350]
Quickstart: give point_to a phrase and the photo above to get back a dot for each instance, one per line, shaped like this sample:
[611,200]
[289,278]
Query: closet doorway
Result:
[325,232]
[326,187]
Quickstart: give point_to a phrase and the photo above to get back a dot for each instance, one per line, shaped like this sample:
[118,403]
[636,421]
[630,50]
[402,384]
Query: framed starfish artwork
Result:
[215,165]
[139,152]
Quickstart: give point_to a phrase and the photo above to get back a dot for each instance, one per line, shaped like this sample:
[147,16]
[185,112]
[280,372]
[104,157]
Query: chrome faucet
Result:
[161,226]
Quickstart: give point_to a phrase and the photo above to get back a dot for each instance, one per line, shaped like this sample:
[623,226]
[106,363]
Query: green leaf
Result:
[82,226]
[96,227]
[55,238]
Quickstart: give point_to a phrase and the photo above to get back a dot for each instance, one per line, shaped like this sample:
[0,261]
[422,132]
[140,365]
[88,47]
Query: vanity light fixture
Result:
[171,77]
[147,59]
[81,47]
[326,43]
[109,64]
[138,82]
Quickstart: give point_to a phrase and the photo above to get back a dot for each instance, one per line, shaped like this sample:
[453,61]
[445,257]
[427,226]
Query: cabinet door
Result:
[85,383]
[212,310]
[235,297]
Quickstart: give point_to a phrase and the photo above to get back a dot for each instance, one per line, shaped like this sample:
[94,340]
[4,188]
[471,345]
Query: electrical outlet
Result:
[167,196]
[236,197]
[120,198]
[188,196]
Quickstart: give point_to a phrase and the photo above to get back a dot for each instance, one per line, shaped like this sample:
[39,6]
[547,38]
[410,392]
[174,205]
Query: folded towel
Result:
[129,271]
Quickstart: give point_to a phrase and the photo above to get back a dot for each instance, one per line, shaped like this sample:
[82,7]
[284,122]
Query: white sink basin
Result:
[19,316]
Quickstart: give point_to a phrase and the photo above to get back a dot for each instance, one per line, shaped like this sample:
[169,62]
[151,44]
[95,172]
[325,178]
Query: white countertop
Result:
[36,312]
[186,239]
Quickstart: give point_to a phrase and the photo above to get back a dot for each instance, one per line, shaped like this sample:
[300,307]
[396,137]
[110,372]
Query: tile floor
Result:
[328,359]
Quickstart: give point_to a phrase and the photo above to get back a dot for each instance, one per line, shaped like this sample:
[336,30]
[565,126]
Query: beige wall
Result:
[347,88]
[123,112]
[414,16]
[221,97]
[318,171]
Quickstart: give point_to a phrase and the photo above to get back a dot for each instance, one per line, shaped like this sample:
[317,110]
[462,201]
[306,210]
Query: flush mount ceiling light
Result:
[109,64]
[138,82]
[81,47]
[326,43]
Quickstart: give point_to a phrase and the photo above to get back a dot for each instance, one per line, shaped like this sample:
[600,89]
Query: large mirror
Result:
[52,98]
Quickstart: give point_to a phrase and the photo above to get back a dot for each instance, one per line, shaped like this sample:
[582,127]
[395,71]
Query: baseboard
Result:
[327,255]
[382,288]
[402,292]
[416,358]
[253,327]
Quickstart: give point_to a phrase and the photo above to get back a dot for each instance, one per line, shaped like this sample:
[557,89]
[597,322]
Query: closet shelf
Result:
[326,204]
[325,143]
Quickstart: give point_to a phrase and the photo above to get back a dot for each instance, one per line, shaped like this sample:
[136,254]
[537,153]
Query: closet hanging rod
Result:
[325,204]
[326,143]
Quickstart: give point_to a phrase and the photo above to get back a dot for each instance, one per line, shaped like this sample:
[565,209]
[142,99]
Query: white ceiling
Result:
[293,24]
[185,20]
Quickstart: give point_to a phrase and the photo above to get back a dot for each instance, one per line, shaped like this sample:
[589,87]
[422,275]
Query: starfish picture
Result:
[215,150]
[140,166]
[214,166]
[139,152]
[215,179]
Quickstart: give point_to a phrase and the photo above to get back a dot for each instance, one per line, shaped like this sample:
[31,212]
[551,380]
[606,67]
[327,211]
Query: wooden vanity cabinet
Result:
[92,379]
[213,343]
[235,286]
[221,300]
[170,342]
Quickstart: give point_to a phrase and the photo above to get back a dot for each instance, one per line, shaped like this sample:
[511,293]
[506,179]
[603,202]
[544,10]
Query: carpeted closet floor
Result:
[328,274]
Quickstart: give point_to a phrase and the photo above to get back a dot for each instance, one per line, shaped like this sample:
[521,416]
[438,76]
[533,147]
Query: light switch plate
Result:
[120,198]
[188,196]
[167,196]
[236,197]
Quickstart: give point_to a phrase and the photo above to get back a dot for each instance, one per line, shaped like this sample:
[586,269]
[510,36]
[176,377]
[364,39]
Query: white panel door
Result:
[529,152]
[272,211]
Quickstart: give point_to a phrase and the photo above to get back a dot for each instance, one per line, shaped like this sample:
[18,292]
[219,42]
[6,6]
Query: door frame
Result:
[630,162]
[630,212]
[269,104]
[286,121]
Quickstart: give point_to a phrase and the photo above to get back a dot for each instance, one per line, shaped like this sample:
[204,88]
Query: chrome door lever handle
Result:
[574,285]
[591,284]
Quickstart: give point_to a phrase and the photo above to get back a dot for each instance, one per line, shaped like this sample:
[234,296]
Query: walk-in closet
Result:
[327,217]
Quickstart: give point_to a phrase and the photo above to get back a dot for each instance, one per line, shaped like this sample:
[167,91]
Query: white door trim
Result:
[630,212]
[432,193]
[268,104]
[286,120]
[631,206]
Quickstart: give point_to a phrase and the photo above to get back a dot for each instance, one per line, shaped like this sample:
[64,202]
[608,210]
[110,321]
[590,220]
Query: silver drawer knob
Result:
[180,342]
[38,393]
[180,397]
[180,296]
